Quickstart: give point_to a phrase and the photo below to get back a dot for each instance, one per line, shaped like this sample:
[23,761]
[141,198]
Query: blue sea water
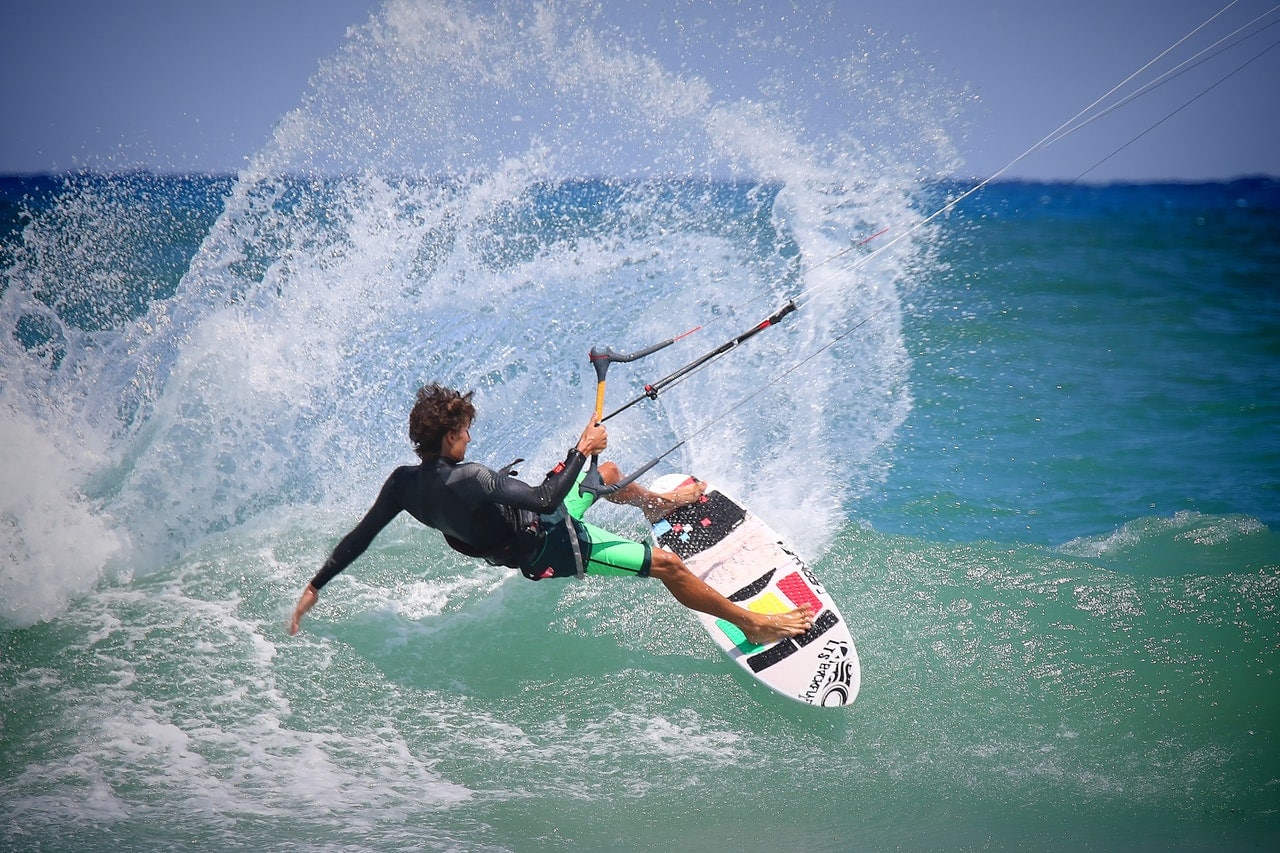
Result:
[1032,446]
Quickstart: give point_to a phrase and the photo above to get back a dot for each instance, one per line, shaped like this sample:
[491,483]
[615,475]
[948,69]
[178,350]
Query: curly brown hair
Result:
[438,411]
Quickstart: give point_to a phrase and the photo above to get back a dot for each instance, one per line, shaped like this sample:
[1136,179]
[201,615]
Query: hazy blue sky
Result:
[178,85]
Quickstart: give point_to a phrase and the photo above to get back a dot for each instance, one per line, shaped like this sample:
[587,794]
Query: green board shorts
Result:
[603,553]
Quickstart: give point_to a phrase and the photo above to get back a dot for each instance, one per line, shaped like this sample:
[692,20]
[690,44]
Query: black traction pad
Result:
[697,526]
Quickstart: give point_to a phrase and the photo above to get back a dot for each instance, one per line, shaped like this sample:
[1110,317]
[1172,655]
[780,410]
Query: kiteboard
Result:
[739,556]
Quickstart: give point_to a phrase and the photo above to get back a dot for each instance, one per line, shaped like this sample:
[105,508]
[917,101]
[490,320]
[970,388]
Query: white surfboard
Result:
[742,558]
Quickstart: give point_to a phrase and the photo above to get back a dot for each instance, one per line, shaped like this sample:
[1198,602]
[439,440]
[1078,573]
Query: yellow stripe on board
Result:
[769,603]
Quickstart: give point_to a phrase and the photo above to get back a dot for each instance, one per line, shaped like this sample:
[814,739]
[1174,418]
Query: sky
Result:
[180,85]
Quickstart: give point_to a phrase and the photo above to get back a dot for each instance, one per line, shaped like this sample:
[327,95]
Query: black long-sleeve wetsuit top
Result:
[481,511]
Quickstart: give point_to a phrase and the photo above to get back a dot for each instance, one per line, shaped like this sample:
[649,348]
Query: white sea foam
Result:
[54,542]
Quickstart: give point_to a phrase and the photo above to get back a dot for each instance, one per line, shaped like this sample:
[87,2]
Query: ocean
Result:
[1031,444]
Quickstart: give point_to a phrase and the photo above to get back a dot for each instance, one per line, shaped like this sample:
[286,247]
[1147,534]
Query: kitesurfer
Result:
[537,529]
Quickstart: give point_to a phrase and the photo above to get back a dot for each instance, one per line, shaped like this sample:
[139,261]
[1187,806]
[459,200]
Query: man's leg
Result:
[693,592]
[689,589]
[654,505]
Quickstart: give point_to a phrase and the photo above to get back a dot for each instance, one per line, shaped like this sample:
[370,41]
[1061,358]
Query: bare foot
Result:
[773,627]
[656,505]
[685,495]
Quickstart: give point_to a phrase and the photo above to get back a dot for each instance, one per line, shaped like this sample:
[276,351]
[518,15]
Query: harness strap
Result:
[573,543]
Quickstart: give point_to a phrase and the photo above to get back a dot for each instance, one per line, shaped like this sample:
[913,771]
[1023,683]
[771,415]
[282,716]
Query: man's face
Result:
[455,443]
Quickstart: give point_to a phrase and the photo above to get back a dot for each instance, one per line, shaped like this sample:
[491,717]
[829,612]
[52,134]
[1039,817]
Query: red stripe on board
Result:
[794,587]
